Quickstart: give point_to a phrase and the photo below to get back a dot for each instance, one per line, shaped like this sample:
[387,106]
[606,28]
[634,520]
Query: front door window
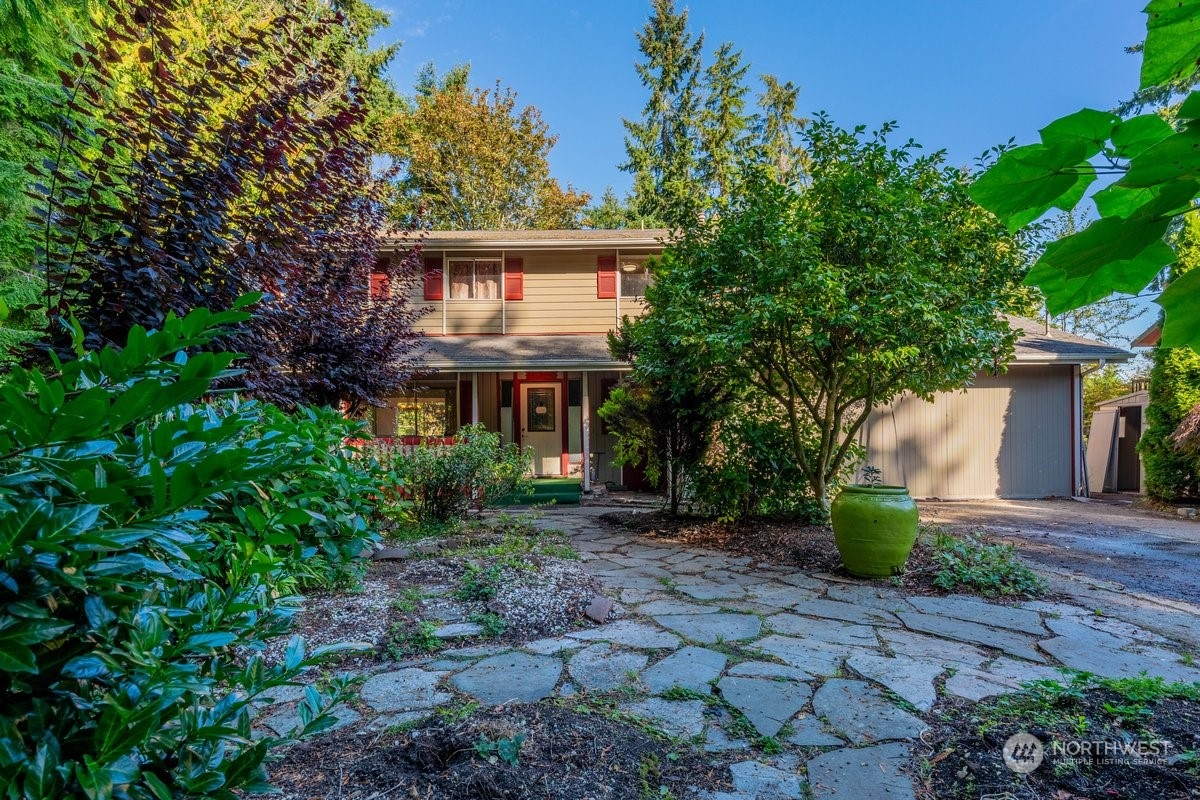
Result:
[541,410]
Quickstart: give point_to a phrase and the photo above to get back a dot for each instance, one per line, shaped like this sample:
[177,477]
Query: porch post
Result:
[474,398]
[585,417]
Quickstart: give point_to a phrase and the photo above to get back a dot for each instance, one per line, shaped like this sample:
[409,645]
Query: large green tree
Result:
[877,276]
[472,160]
[661,145]
[1158,165]
[1173,473]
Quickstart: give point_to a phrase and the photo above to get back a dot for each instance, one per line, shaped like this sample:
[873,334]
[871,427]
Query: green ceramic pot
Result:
[874,527]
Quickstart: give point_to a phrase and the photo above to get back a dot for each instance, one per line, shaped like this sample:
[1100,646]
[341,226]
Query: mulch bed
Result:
[805,547]
[970,764]
[565,755]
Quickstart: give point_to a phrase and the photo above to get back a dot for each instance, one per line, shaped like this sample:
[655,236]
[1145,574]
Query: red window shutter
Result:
[606,277]
[514,279]
[433,278]
[381,285]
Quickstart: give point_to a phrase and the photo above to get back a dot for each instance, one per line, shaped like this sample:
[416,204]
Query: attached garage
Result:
[1014,435]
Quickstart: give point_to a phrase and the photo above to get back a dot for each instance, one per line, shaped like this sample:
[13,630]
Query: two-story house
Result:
[518,339]
[518,335]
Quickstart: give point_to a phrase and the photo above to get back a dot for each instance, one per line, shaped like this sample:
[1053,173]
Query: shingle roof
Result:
[590,351]
[1038,343]
[558,239]
[502,353]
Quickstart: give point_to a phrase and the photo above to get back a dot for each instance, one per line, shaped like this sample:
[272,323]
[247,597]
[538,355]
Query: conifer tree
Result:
[723,123]
[775,128]
[662,145]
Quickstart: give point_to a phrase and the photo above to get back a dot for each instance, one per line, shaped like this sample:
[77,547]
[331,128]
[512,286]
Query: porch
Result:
[541,392]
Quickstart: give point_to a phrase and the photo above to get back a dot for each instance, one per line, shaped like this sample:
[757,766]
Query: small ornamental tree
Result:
[240,169]
[876,277]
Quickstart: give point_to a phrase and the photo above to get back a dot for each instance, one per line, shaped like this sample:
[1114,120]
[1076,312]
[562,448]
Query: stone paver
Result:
[767,704]
[824,630]
[288,720]
[711,628]
[973,633]
[403,690]
[1017,619]
[689,668]
[822,627]
[510,677]
[630,634]
[600,668]
[862,713]
[911,680]
[807,731]
[865,773]
[765,783]
[675,717]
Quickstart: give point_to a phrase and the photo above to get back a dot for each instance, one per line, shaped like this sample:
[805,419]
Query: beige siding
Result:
[559,297]
[432,321]
[1005,436]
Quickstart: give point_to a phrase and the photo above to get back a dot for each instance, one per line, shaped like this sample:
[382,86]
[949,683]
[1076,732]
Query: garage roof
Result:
[1040,344]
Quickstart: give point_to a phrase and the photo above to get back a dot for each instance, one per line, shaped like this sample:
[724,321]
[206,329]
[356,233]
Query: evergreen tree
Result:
[1172,473]
[775,128]
[609,213]
[662,145]
[723,123]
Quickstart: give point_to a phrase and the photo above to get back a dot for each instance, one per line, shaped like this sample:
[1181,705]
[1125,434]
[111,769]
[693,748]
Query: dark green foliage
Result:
[990,569]
[661,145]
[445,482]
[478,584]
[748,471]
[1172,472]
[128,625]
[665,413]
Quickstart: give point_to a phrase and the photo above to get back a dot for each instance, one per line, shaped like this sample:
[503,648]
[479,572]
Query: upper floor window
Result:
[474,279]
[634,277]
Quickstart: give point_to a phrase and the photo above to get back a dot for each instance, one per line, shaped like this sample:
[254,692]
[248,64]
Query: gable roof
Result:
[1039,343]
[651,238]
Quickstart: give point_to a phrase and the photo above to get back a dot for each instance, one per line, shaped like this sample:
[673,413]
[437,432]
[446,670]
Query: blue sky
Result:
[959,75]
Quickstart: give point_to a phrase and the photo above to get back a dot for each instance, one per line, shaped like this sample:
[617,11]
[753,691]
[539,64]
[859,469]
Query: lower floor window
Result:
[428,412]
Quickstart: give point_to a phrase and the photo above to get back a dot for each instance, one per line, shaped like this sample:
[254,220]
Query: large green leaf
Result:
[1134,135]
[1028,181]
[1088,126]
[1065,293]
[1181,326]
[1176,157]
[1107,240]
[1172,41]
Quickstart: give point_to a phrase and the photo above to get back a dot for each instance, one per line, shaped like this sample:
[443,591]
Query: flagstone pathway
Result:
[840,669]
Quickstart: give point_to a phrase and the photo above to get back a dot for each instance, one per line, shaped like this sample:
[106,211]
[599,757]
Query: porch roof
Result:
[582,351]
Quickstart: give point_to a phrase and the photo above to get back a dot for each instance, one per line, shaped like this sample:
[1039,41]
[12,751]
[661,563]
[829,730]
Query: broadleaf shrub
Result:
[446,481]
[990,569]
[129,640]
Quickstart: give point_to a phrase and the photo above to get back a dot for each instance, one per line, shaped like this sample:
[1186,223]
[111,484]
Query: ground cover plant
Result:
[1112,738]
[134,601]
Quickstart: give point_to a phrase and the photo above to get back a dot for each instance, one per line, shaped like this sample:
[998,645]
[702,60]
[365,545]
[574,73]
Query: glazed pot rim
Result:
[862,488]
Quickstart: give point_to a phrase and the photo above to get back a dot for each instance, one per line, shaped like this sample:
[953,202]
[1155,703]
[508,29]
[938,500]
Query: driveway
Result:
[1101,546]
